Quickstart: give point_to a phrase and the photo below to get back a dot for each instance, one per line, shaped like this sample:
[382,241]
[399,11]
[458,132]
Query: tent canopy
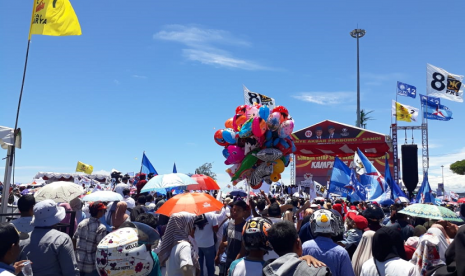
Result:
[314,141]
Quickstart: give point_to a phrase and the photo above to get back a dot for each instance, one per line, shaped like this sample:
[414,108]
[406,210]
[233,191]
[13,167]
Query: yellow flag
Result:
[404,112]
[81,167]
[54,17]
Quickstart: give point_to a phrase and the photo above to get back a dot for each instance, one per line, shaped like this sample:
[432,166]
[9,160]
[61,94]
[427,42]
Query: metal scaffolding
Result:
[293,169]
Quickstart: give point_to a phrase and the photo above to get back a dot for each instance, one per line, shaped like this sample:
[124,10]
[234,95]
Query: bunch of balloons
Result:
[257,143]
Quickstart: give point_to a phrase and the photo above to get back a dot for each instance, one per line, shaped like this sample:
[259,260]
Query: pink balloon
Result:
[286,128]
[259,126]
[236,154]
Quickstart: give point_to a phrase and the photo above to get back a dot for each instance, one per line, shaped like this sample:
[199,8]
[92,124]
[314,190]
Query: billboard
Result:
[317,146]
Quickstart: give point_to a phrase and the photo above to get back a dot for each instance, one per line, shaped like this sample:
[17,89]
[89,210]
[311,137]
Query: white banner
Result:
[440,83]
[252,97]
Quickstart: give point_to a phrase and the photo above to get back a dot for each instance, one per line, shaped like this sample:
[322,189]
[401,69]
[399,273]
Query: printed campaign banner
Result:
[440,83]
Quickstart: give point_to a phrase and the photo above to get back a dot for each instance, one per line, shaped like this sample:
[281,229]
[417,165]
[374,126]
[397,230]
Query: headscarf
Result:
[119,216]
[76,205]
[363,251]
[178,229]
[454,256]
[419,230]
[444,240]
[67,219]
[427,254]
[388,244]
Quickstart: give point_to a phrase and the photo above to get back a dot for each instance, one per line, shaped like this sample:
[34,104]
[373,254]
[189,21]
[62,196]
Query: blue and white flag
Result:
[340,178]
[428,100]
[425,194]
[438,112]
[372,179]
[404,89]
[358,192]
[396,193]
[147,166]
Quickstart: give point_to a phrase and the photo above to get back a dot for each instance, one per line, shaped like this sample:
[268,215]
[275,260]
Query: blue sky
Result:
[162,76]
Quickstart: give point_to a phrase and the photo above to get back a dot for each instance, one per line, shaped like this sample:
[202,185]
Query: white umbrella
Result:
[103,196]
[163,181]
[60,191]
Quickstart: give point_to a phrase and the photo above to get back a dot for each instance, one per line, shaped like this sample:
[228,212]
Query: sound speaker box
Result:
[410,166]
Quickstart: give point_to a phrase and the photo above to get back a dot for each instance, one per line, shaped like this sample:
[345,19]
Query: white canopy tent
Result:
[6,142]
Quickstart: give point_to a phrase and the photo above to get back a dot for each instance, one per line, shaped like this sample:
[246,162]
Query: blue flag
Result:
[340,178]
[424,193]
[428,100]
[404,89]
[438,112]
[358,192]
[174,168]
[147,166]
[372,179]
[396,192]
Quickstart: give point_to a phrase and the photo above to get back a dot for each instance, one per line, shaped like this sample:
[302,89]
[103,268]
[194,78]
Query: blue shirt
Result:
[6,267]
[156,265]
[305,233]
[333,255]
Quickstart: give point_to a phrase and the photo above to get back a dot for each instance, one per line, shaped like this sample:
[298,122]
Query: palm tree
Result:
[364,117]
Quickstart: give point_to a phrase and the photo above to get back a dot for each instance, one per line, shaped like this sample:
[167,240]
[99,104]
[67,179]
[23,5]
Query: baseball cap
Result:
[360,221]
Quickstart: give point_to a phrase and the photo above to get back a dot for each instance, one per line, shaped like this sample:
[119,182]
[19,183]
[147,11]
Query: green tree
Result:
[364,118]
[458,167]
[206,169]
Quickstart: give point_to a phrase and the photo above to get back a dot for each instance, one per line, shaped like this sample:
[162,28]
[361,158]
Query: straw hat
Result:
[47,213]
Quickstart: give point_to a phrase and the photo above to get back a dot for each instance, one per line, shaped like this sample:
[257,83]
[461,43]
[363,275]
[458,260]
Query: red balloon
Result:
[281,109]
[219,138]
[257,186]
[241,109]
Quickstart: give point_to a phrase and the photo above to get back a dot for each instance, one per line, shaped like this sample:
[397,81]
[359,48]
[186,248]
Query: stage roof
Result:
[344,141]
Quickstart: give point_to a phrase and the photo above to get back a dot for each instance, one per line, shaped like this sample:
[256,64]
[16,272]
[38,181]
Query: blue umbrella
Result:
[163,181]
[240,193]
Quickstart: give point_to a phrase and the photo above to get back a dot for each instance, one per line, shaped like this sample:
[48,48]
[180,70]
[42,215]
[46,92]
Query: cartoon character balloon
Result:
[257,142]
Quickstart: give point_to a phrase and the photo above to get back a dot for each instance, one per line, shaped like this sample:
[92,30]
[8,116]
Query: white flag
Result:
[359,167]
[440,83]
[252,97]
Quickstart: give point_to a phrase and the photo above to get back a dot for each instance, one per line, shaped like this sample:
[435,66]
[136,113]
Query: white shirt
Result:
[179,257]
[23,224]
[204,237]
[130,202]
[244,267]
[5,273]
[392,267]
[120,187]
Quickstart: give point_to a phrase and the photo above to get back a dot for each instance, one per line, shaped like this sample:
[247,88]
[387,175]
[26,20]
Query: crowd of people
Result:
[267,234]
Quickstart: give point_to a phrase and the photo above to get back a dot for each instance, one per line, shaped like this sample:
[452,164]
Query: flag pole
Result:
[141,163]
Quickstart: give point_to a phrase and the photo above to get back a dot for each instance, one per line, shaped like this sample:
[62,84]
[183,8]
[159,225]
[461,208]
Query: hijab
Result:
[363,251]
[426,257]
[178,229]
[119,216]
[454,257]
[76,205]
[387,244]
[67,219]
[444,240]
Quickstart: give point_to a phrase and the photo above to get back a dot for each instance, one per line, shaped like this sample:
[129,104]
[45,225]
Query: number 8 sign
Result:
[440,83]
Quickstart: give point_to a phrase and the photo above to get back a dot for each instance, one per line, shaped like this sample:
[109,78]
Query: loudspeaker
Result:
[410,166]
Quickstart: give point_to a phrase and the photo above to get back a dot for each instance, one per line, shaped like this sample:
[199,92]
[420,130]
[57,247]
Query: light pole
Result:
[358,33]
[442,174]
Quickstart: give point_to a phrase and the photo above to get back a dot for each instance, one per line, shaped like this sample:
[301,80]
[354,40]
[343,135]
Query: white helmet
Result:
[324,221]
[119,254]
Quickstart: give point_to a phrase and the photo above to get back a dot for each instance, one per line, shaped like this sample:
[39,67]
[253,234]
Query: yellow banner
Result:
[85,168]
[54,17]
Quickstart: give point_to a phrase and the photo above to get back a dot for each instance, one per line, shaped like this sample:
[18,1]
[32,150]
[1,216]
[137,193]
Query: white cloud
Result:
[202,46]
[196,36]
[219,59]
[326,98]
[139,77]
[452,182]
